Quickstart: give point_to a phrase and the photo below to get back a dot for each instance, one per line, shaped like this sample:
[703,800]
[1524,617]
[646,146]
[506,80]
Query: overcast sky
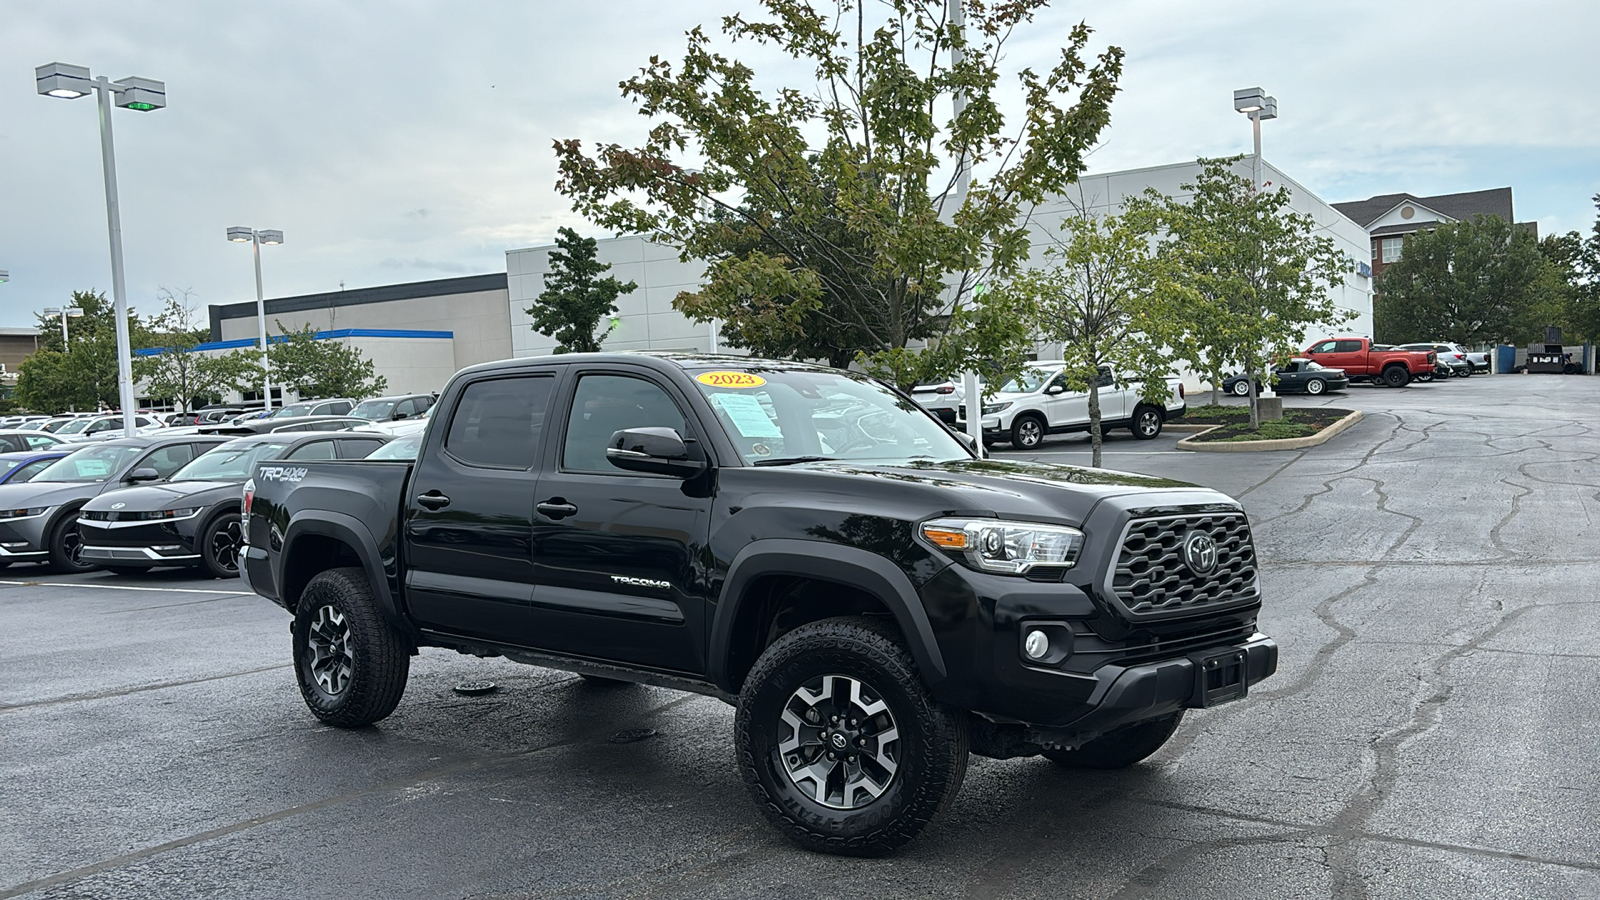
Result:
[402,141]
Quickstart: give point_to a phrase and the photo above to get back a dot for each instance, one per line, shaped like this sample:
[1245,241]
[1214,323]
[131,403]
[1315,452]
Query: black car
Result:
[1297,376]
[38,518]
[193,519]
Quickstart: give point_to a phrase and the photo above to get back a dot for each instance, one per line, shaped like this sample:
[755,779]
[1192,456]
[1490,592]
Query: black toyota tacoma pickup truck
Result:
[802,542]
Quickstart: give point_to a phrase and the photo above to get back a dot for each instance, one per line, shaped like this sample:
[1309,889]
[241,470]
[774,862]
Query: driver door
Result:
[1066,407]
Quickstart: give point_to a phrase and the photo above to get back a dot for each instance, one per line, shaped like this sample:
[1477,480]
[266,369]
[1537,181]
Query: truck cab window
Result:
[605,404]
[498,421]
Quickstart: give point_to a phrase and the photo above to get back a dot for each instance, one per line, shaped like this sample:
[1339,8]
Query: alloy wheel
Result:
[1149,423]
[332,662]
[843,747]
[1030,433]
[225,544]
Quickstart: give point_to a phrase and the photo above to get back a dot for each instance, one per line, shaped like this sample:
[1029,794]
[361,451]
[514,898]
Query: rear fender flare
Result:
[823,561]
[353,534]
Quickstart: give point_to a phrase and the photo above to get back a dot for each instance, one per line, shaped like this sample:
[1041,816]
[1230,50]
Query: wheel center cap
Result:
[840,741]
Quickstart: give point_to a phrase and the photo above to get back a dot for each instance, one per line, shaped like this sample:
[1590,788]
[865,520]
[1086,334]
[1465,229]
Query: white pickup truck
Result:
[1037,402]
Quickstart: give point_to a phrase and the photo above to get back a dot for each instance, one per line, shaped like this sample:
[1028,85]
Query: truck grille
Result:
[1151,577]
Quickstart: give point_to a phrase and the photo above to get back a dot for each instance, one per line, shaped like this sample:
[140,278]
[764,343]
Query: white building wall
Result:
[647,319]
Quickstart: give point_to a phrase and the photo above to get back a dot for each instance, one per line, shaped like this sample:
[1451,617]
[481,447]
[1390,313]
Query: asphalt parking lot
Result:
[1432,732]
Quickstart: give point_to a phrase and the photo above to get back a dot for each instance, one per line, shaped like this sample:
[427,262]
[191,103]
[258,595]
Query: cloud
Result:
[370,133]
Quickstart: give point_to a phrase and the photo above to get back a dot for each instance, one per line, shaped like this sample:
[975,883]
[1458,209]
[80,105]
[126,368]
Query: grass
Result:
[1295,423]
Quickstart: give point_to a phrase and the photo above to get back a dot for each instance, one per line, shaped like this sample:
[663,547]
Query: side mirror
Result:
[659,451]
[967,440]
[143,474]
[1056,389]
[399,416]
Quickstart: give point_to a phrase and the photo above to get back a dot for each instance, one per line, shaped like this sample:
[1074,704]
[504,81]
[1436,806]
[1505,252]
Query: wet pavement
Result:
[1432,732]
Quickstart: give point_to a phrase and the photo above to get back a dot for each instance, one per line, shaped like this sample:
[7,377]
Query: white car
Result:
[1448,358]
[941,399]
[100,428]
[1037,403]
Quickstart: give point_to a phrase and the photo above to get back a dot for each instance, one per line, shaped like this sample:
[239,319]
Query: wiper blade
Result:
[791,460]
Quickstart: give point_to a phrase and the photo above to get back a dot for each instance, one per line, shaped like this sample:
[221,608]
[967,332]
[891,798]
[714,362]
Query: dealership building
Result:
[419,333]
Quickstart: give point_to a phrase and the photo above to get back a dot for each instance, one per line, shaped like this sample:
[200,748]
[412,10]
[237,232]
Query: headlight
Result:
[23,513]
[996,407]
[1010,548]
[169,514]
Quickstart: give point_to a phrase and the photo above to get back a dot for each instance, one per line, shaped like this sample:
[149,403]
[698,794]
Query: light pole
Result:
[1255,103]
[63,314]
[240,234]
[141,95]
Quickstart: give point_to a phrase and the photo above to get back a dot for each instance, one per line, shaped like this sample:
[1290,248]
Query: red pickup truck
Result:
[1363,360]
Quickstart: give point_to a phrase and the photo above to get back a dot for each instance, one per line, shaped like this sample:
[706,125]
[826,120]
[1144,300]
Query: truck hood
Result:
[1029,491]
[157,497]
[31,494]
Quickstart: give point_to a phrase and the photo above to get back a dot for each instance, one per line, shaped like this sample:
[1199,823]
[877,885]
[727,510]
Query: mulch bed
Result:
[1295,423]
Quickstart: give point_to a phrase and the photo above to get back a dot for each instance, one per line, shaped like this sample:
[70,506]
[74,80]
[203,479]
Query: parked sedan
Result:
[1297,376]
[15,468]
[192,519]
[19,441]
[39,519]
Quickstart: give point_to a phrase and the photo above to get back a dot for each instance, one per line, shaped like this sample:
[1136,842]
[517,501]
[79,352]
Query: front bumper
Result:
[23,540]
[170,543]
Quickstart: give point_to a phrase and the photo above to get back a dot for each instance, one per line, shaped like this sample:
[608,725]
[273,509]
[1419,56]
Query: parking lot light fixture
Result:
[239,234]
[68,82]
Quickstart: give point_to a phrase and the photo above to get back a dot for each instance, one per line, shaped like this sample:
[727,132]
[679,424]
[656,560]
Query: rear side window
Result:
[1347,347]
[357,448]
[498,421]
[313,450]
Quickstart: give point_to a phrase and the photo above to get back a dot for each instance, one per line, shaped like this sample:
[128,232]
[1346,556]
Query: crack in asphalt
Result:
[138,689]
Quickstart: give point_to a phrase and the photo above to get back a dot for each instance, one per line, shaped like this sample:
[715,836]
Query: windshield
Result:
[6,465]
[96,463]
[75,426]
[233,461]
[400,448]
[1026,382]
[374,409]
[781,415]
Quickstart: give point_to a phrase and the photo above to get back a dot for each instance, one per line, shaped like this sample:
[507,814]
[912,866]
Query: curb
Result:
[1298,443]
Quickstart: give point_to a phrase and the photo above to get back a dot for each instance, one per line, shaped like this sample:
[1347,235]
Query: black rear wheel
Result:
[351,666]
[1396,376]
[840,742]
[1147,421]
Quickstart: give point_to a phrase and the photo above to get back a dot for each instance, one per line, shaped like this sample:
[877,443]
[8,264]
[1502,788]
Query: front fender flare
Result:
[824,561]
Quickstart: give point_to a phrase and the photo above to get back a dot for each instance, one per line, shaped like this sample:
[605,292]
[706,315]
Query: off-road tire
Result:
[1316,387]
[1028,431]
[63,535]
[213,559]
[1147,422]
[932,739]
[1396,376]
[1121,747]
[378,659]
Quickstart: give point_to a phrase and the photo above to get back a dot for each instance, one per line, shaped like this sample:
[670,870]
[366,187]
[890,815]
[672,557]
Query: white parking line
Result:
[119,587]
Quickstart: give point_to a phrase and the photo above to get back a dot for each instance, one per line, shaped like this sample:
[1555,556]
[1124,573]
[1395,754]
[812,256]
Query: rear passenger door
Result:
[468,516]
[617,553]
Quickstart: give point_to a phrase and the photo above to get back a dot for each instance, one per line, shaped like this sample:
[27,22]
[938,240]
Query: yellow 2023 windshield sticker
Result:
[730,379]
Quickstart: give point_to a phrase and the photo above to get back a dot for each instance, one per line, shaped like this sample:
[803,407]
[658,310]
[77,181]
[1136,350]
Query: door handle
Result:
[433,500]
[556,508]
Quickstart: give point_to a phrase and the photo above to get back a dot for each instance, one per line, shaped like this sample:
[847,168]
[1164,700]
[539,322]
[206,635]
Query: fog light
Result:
[166,548]
[1036,645]
[14,545]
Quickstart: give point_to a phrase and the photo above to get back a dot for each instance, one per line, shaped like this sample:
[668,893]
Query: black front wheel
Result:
[66,546]
[351,666]
[220,542]
[840,742]
[1121,747]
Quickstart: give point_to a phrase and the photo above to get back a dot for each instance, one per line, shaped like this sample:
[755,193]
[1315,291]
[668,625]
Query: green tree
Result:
[318,368]
[838,195]
[82,373]
[1468,282]
[1247,275]
[178,373]
[1098,299]
[575,297]
[1568,293]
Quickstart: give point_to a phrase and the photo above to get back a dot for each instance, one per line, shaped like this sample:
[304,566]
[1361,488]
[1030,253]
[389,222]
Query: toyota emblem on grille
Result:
[1200,553]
